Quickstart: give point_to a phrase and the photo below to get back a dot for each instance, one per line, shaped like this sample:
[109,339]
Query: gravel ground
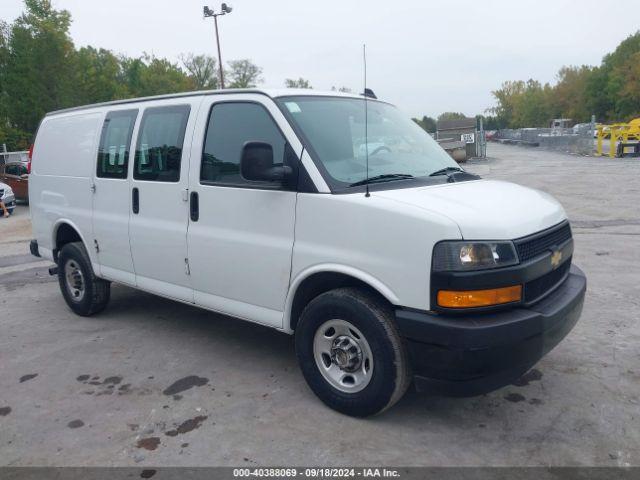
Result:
[154,382]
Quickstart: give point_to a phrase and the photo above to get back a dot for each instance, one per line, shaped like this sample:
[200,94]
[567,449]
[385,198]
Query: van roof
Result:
[272,93]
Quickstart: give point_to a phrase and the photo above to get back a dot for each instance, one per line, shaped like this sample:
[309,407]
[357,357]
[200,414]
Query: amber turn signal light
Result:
[479,298]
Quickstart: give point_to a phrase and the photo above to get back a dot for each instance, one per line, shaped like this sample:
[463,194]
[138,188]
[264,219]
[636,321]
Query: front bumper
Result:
[465,355]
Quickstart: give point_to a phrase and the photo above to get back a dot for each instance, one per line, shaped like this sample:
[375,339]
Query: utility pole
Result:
[224,9]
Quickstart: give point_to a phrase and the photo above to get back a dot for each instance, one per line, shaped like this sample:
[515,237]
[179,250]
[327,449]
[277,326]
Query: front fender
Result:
[365,277]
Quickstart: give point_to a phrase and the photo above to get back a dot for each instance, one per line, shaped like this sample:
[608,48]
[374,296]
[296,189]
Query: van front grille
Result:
[538,243]
[535,289]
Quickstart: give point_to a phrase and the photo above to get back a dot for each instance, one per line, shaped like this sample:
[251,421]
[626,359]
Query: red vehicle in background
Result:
[15,173]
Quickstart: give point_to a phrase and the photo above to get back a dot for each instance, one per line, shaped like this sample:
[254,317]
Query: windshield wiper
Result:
[446,171]
[387,177]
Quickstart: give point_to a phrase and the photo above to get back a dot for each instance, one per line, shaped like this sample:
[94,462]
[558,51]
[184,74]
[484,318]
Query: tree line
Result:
[610,91]
[41,70]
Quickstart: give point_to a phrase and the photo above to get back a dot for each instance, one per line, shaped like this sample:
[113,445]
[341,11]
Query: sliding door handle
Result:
[194,207]
[135,200]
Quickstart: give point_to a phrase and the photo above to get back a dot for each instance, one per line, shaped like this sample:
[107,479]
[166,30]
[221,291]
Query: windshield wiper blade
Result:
[382,178]
[446,171]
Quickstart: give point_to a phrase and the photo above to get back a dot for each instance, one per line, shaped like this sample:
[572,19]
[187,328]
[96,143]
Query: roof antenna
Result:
[366,119]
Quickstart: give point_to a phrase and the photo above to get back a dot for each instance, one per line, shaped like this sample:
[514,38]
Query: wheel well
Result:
[320,283]
[65,234]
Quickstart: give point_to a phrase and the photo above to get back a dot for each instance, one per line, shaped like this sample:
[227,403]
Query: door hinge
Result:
[186,266]
[93,188]
[95,242]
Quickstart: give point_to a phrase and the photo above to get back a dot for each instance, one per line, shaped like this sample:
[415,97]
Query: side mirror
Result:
[256,164]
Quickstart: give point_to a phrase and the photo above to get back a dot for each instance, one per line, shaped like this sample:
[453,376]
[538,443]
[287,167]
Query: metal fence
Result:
[578,141]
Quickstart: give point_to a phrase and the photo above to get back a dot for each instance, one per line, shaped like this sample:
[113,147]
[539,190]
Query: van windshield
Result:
[334,130]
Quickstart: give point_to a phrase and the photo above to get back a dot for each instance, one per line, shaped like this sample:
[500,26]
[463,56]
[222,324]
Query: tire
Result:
[85,293]
[371,390]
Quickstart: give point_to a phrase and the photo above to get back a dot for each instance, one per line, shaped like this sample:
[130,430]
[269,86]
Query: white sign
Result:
[468,137]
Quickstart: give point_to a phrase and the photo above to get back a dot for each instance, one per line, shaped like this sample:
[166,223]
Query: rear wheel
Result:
[351,353]
[85,293]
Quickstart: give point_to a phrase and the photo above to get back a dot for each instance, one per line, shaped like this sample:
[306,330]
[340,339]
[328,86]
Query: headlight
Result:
[461,256]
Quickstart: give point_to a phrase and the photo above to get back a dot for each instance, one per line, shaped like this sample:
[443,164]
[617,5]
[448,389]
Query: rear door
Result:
[159,194]
[112,198]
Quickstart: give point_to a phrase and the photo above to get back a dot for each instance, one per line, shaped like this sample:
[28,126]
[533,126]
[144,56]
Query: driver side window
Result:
[231,125]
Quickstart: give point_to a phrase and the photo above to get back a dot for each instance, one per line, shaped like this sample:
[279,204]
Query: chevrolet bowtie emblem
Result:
[556,258]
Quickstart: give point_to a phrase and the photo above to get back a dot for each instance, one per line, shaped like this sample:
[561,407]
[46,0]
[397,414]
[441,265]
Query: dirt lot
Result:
[153,382]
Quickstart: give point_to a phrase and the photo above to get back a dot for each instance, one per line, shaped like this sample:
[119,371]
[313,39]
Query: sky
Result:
[427,57]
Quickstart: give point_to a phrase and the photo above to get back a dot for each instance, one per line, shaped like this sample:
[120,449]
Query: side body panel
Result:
[240,248]
[111,210]
[385,243]
[61,177]
[158,232]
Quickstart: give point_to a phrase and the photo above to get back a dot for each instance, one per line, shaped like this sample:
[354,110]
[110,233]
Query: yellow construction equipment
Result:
[621,136]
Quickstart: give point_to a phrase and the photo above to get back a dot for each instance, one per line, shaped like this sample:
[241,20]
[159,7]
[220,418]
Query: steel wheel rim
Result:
[343,356]
[74,280]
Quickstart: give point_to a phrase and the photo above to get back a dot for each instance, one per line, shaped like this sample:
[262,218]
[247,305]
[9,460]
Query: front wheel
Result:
[351,353]
[85,293]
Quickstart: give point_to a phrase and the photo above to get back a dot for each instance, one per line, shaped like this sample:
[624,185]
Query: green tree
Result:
[4,59]
[569,96]
[523,104]
[534,106]
[628,104]
[299,83]
[507,97]
[37,73]
[96,77]
[162,76]
[149,75]
[202,70]
[243,74]
[619,67]
[428,124]
[491,122]
[451,116]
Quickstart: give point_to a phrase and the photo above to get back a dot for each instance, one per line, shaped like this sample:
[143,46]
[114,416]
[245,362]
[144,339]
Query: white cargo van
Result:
[388,262]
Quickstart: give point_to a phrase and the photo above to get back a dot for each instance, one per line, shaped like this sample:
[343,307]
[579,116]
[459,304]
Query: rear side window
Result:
[231,126]
[160,143]
[113,153]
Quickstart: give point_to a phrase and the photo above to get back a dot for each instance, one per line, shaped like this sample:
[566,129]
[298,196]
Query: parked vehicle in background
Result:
[16,175]
[561,126]
[7,197]
[389,263]
[582,129]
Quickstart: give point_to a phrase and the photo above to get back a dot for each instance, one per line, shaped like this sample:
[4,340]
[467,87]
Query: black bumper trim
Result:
[474,354]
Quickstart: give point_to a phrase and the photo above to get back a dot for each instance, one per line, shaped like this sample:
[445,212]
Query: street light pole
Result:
[224,9]
[215,21]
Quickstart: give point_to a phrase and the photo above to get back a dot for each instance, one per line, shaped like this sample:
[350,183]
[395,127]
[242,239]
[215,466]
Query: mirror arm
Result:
[280,173]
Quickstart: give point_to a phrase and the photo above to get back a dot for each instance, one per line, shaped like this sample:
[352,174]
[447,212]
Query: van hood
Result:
[485,209]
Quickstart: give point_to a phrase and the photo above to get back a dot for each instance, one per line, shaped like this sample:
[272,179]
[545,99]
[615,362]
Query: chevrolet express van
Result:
[387,261]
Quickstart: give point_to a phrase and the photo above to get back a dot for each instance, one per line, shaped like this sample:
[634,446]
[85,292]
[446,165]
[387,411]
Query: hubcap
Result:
[343,356]
[74,280]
